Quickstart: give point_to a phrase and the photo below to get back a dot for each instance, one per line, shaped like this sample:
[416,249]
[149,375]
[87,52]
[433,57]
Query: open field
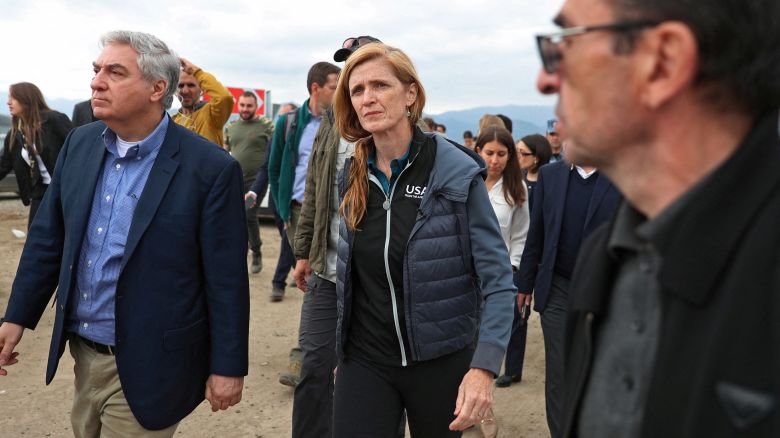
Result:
[28,408]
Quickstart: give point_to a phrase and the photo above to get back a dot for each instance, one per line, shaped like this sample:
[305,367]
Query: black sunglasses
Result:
[548,44]
[365,39]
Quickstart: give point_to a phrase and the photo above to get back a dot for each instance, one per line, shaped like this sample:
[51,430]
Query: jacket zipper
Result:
[585,368]
[387,206]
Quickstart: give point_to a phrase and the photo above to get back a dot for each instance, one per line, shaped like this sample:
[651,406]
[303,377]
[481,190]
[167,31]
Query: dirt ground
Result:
[28,408]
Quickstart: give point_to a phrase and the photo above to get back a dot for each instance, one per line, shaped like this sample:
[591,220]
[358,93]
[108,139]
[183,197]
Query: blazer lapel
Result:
[602,185]
[90,172]
[156,185]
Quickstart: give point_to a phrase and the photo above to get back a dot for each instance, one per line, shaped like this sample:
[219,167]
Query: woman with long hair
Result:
[533,152]
[33,143]
[508,197]
[420,253]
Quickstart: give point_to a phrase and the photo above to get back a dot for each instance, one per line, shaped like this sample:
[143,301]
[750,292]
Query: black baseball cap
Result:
[350,45]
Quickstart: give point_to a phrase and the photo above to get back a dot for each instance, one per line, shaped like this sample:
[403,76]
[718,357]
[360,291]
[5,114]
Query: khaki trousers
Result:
[99,405]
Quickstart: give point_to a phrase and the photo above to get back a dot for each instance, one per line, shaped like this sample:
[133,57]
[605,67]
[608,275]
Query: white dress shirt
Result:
[512,219]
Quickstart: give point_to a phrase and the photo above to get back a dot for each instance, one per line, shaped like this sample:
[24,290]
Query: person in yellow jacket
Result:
[205,118]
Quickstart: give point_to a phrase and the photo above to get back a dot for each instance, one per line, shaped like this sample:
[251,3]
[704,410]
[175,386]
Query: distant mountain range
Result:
[526,119]
[64,106]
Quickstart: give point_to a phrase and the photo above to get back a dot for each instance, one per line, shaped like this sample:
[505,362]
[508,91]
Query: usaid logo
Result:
[416,192]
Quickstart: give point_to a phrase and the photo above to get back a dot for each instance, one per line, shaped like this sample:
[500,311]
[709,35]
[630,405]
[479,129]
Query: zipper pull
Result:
[386,204]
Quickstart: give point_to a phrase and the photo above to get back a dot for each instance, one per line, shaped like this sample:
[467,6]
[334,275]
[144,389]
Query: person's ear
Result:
[411,94]
[159,87]
[667,61]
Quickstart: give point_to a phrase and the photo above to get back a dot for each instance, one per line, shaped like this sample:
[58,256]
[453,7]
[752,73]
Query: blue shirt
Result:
[118,189]
[396,167]
[304,150]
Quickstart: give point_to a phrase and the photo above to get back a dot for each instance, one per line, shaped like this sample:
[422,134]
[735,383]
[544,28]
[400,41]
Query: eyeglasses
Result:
[549,44]
[365,39]
[526,154]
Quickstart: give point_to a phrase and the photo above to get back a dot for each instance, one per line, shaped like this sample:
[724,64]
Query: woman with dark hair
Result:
[422,271]
[533,151]
[33,143]
[507,194]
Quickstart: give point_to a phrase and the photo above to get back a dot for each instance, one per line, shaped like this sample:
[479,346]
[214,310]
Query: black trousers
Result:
[38,190]
[515,351]
[370,398]
[286,259]
[313,401]
[554,331]
[253,229]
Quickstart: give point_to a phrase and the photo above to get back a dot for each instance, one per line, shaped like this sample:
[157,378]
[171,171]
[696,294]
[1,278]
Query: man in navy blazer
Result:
[142,235]
[569,203]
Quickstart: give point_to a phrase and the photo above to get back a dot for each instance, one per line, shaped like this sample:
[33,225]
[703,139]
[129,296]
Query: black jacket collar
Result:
[698,247]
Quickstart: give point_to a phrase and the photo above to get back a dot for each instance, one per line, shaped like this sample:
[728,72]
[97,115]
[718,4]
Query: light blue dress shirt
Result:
[304,150]
[122,180]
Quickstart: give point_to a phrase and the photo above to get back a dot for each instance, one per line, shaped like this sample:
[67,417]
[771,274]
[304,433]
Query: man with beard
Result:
[247,140]
[204,118]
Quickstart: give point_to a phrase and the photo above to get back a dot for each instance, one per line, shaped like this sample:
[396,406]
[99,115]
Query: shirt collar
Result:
[146,146]
[632,229]
[396,165]
[583,173]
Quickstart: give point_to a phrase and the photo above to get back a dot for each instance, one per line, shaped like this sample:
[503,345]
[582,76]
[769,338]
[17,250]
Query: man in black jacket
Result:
[673,322]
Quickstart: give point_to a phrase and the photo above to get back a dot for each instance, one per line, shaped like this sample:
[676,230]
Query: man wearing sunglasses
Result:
[673,322]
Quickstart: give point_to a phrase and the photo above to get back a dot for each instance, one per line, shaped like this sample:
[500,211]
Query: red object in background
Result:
[237,92]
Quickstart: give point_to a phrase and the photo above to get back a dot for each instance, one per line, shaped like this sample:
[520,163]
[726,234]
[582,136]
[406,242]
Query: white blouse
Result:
[513,221]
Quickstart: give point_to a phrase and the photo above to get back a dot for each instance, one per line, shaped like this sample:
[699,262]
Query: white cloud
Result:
[468,53]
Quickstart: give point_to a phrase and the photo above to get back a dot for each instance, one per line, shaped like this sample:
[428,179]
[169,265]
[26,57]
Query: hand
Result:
[188,67]
[248,195]
[475,399]
[10,335]
[301,273]
[223,392]
[523,299]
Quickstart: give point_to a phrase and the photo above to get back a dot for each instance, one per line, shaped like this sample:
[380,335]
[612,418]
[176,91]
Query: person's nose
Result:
[98,82]
[548,83]
[369,97]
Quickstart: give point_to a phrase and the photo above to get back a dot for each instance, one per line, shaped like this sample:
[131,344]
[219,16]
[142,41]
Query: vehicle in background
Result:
[8,186]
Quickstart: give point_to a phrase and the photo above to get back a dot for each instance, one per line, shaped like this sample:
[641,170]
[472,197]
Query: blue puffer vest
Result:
[441,291]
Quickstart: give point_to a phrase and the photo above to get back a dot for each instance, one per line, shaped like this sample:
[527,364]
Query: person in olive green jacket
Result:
[204,118]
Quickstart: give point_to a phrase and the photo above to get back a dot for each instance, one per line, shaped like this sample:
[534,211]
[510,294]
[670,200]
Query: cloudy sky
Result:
[468,53]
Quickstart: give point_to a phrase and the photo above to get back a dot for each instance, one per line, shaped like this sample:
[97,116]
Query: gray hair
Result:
[155,60]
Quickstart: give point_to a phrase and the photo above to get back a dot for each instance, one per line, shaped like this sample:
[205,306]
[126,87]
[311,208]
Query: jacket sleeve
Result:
[305,228]
[39,266]
[223,240]
[529,263]
[275,157]
[495,277]
[221,103]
